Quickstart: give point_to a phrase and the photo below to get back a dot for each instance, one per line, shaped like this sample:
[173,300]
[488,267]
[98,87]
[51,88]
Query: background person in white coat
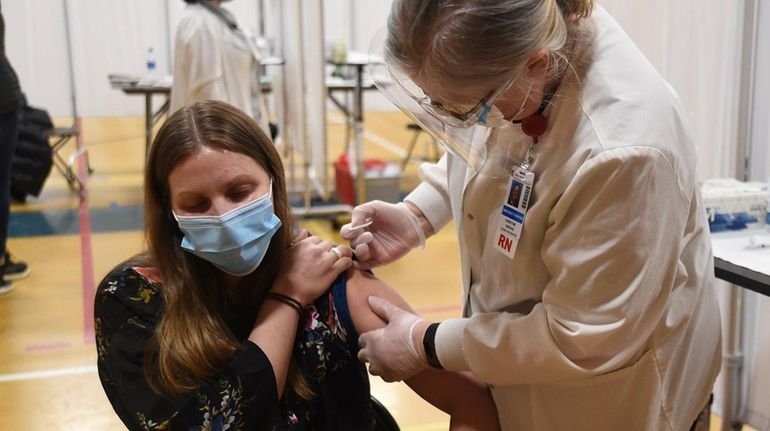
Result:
[600,313]
[216,59]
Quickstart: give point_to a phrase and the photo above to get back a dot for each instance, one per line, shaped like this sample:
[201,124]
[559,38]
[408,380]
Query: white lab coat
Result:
[213,61]
[606,318]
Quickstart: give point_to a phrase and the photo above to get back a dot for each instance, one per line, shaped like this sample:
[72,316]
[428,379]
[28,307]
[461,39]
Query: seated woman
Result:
[225,324]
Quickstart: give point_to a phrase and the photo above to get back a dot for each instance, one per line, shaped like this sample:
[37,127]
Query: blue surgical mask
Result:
[236,241]
[493,118]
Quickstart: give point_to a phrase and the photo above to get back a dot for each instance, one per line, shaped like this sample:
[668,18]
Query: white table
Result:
[133,84]
[744,268]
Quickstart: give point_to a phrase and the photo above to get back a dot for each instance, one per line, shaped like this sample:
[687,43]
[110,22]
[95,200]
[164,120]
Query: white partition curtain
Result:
[760,137]
[315,94]
[695,44]
[108,36]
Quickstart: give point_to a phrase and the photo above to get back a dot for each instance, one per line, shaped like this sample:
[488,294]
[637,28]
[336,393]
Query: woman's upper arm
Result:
[360,286]
[458,394]
[123,312]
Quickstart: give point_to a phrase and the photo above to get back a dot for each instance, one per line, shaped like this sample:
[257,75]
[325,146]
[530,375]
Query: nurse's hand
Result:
[395,229]
[394,352]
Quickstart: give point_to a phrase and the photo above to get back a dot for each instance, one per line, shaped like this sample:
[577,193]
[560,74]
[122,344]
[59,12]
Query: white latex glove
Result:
[390,351]
[394,231]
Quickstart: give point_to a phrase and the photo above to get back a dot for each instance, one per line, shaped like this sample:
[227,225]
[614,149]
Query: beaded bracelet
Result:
[288,300]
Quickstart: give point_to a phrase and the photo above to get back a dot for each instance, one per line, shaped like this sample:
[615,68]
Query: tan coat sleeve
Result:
[431,196]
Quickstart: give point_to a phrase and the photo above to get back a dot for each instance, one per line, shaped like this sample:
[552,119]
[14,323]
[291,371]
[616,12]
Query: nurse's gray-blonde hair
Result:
[477,45]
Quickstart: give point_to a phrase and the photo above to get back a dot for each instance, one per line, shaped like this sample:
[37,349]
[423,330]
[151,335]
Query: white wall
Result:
[760,152]
[696,48]
[108,36]
[112,36]
[36,48]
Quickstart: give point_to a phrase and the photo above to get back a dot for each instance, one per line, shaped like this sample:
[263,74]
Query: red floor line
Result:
[86,250]
[47,346]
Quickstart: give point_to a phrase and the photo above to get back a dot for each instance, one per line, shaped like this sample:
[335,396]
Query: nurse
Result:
[216,59]
[588,301]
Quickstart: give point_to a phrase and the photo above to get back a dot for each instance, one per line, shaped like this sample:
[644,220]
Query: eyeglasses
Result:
[456,115]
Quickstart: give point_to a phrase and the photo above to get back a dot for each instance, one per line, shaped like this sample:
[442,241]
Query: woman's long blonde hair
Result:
[202,322]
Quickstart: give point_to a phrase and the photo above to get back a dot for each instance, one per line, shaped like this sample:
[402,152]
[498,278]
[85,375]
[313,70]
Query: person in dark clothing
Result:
[10,109]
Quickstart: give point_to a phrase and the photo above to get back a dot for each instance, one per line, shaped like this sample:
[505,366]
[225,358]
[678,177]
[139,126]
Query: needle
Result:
[361,226]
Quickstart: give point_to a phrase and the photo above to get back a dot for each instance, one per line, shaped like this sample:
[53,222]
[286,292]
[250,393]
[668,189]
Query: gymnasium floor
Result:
[48,378]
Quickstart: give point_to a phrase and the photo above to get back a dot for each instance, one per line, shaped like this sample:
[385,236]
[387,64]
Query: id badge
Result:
[514,211]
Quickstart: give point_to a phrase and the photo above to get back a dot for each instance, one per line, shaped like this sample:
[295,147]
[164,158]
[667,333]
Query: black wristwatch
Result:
[429,344]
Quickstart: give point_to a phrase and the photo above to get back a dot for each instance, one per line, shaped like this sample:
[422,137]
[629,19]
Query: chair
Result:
[382,418]
[62,136]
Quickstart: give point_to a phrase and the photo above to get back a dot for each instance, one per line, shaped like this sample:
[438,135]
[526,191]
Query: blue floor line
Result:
[65,222]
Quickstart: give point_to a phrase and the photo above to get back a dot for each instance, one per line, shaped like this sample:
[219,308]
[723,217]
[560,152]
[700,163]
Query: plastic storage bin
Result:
[382,181]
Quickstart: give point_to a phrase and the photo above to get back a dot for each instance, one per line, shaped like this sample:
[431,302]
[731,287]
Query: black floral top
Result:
[243,396]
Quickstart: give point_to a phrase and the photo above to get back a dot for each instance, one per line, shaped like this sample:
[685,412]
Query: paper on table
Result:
[734,247]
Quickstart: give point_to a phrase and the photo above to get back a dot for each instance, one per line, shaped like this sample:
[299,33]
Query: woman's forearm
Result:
[274,331]
[460,395]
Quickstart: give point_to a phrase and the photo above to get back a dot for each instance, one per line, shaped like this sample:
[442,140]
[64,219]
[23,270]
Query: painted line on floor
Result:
[86,249]
[386,144]
[47,374]
[47,346]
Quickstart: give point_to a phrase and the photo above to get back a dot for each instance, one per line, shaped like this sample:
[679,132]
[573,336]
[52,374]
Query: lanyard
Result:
[514,209]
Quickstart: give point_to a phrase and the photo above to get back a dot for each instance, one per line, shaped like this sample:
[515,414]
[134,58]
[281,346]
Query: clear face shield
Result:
[458,127]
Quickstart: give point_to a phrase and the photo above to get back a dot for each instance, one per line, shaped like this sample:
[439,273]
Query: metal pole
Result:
[352,21]
[358,135]
[167,22]
[324,172]
[748,70]
[260,18]
[83,168]
[147,123]
[733,357]
[733,360]
[71,65]
[306,150]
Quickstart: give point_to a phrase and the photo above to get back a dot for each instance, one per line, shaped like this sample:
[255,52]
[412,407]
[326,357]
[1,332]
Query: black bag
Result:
[33,158]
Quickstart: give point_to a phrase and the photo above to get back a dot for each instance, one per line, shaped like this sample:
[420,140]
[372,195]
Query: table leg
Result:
[358,133]
[147,123]
[733,362]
